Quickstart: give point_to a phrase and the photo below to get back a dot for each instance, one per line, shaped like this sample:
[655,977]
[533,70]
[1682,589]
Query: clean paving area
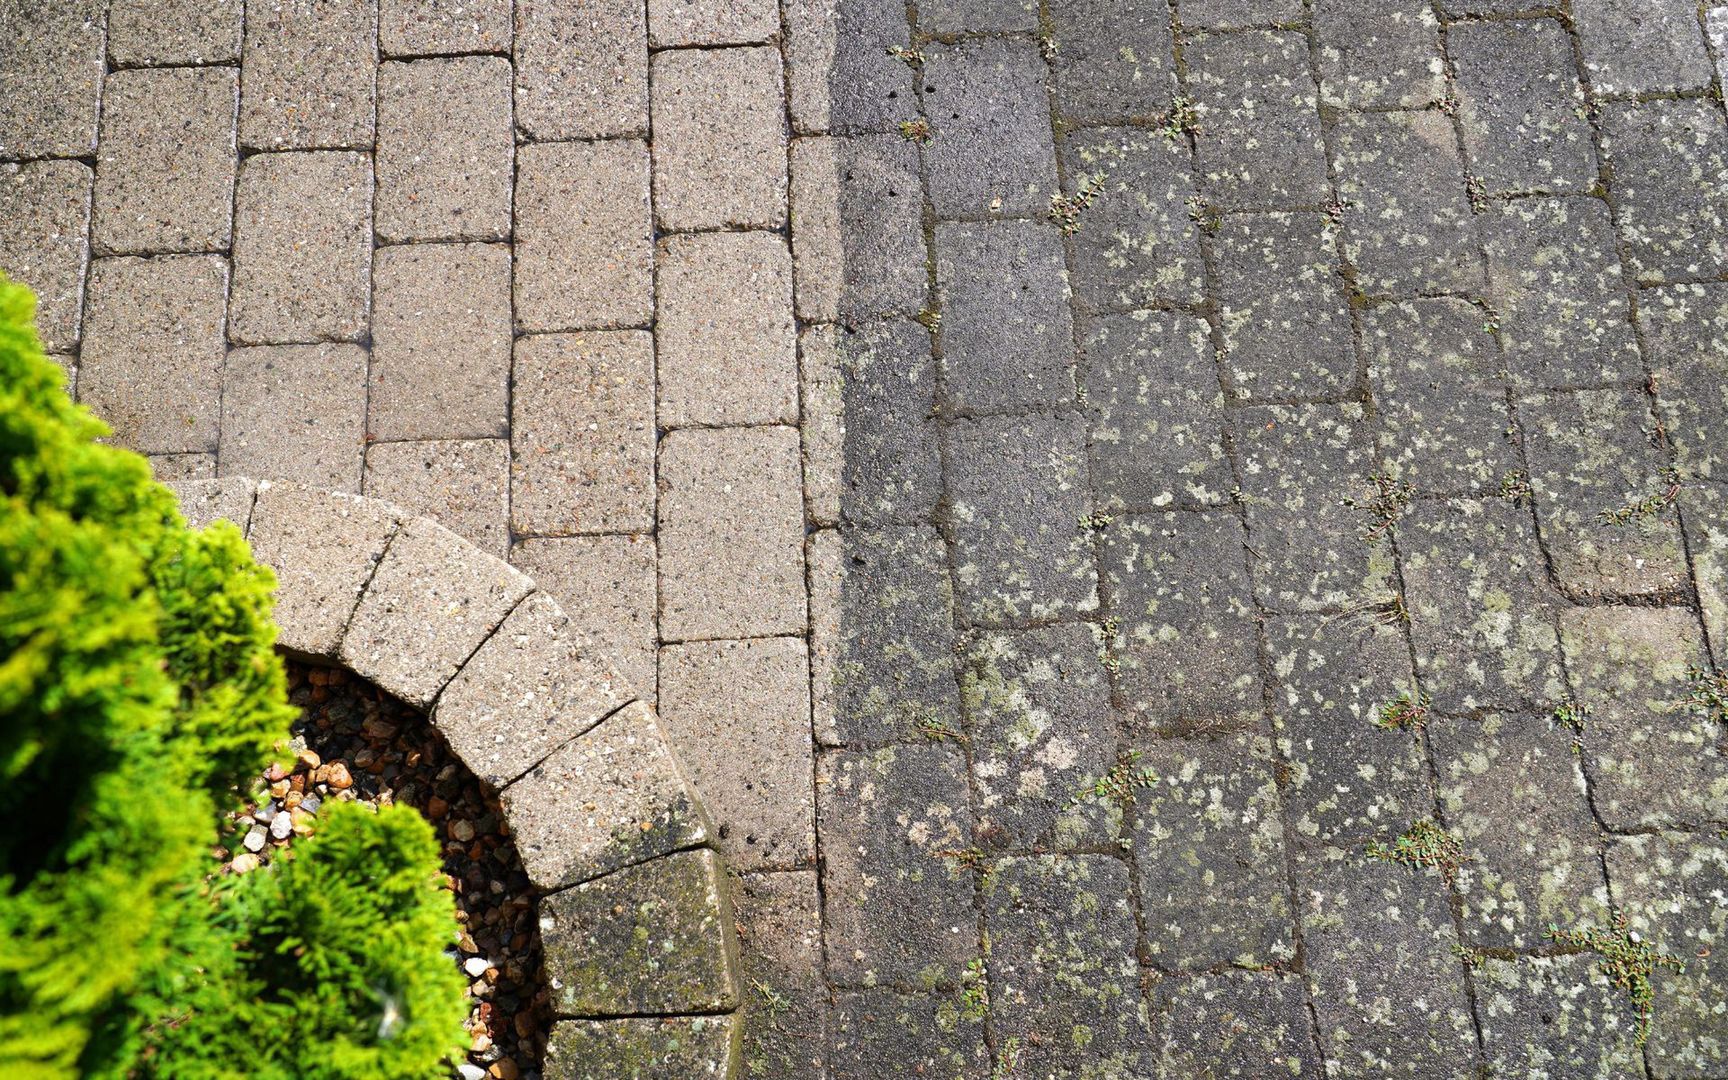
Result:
[1175,537]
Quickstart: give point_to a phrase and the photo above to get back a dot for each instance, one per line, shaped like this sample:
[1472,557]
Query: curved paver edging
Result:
[637,928]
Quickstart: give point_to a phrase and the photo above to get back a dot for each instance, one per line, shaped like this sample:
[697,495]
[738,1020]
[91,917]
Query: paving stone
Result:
[841,75]
[1439,388]
[51,68]
[1407,217]
[643,1048]
[1521,107]
[324,547]
[654,938]
[1716,29]
[1555,283]
[1220,14]
[1653,761]
[1349,777]
[1670,163]
[445,149]
[1379,54]
[891,467]
[821,398]
[432,601]
[990,148]
[1112,62]
[939,17]
[421,27]
[1556,1015]
[1671,886]
[881,1033]
[896,899]
[1686,333]
[581,69]
[206,500]
[307,80]
[1018,493]
[609,798]
[170,467]
[739,713]
[859,245]
[302,248]
[1064,986]
[605,584]
[1704,512]
[153,371]
[1136,246]
[1258,142]
[724,341]
[583,243]
[462,484]
[711,22]
[535,684]
[146,33]
[44,221]
[440,342]
[1237,1024]
[1287,328]
[165,168]
[295,413]
[719,139]
[731,524]
[1006,330]
[780,933]
[1210,850]
[1642,46]
[1482,614]
[1158,413]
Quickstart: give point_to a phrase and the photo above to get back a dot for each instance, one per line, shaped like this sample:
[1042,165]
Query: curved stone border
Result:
[637,925]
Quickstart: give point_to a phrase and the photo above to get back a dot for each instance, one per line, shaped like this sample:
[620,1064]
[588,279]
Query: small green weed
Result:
[1119,784]
[915,130]
[1388,501]
[930,319]
[974,991]
[1515,485]
[1423,844]
[909,57]
[1406,712]
[1181,119]
[936,729]
[1096,520]
[1065,210]
[1650,505]
[1627,960]
[1706,693]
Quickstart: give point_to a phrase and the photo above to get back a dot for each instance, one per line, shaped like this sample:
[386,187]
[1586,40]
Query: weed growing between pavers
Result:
[1570,714]
[1423,844]
[1706,694]
[1627,960]
[936,729]
[1119,784]
[1065,210]
[1648,506]
[910,57]
[1515,485]
[916,130]
[1181,119]
[1388,501]
[1406,712]
[974,991]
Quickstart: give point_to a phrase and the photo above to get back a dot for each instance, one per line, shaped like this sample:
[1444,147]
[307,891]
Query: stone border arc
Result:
[636,923]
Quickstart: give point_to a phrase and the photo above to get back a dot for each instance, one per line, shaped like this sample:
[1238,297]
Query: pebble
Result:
[309,759]
[244,863]
[461,831]
[281,826]
[255,839]
[504,1069]
[311,803]
[476,966]
[470,1072]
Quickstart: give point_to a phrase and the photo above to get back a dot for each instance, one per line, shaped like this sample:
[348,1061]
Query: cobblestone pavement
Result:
[1258,613]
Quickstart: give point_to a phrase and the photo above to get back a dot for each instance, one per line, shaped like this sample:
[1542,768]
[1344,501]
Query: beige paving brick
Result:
[440,342]
[581,69]
[302,248]
[324,547]
[731,534]
[445,149]
[719,138]
[151,364]
[826,554]
[51,68]
[165,166]
[711,22]
[69,367]
[421,27]
[307,74]
[145,33]
[295,413]
[584,247]
[171,468]
[582,428]
[739,714]
[462,484]
[44,221]
[606,585]
[723,333]
[822,390]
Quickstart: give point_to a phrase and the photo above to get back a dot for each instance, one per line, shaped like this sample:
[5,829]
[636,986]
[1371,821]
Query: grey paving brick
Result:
[780,934]
[879,1031]
[419,27]
[440,342]
[977,16]
[44,228]
[649,1046]
[891,468]
[145,33]
[858,245]
[1287,327]
[1259,142]
[991,148]
[1378,53]
[1137,245]
[295,413]
[324,547]
[896,905]
[1642,46]
[51,68]
[724,341]
[582,432]
[445,149]
[1704,512]
[168,468]
[1716,29]
[739,713]
[840,73]
[1219,14]
[1670,162]
[583,244]
[711,22]
[731,521]
[1686,332]
[463,484]
[1237,1024]
[153,371]
[1113,62]
[605,584]
[1555,1013]
[1521,107]
[719,138]
[1185,643]
[1006,330]
[165,168]
[581,69]
[307,77]
[302,248]
[1408,223]
[1158,414]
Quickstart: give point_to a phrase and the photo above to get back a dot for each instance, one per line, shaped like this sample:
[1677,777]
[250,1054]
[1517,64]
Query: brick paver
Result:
[165,170]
